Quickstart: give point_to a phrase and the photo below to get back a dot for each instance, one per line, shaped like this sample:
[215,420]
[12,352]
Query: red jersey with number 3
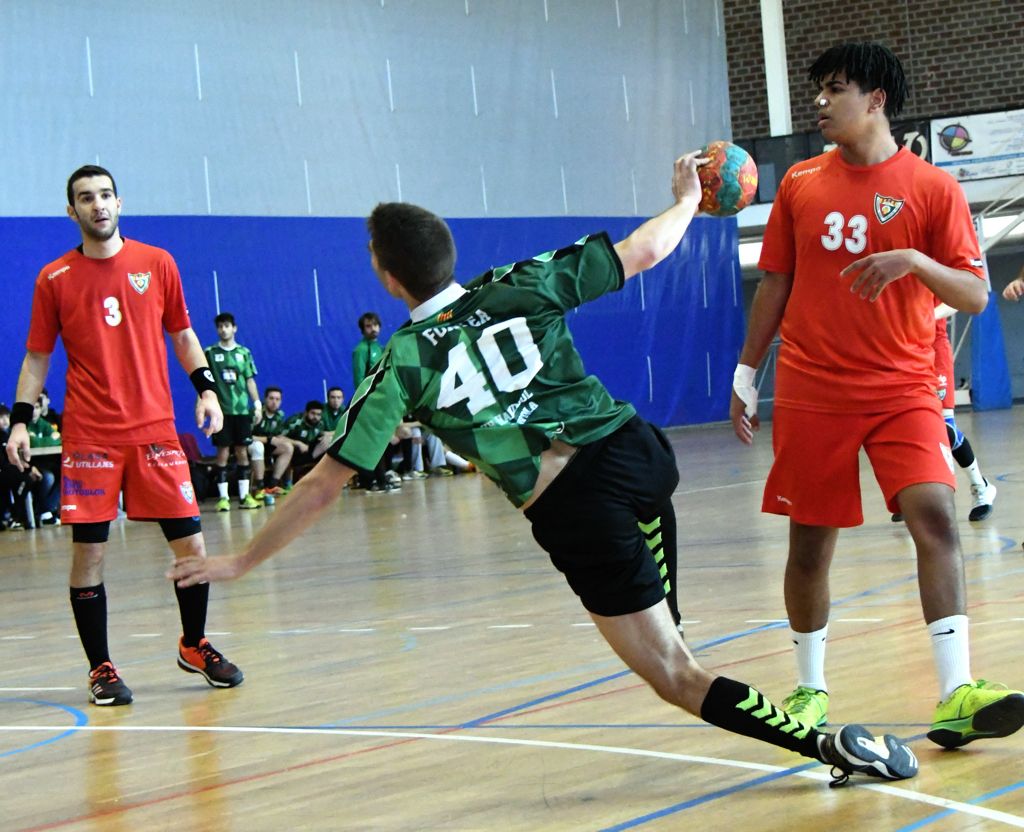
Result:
[111,314]
[840,351]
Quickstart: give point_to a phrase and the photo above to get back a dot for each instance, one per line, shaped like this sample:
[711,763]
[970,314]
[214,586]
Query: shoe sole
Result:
[213,683]
[979,513]
[107,702]
[888,758]
[1000,719]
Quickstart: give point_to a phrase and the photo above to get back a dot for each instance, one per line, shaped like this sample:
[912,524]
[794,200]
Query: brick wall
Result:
[958,56]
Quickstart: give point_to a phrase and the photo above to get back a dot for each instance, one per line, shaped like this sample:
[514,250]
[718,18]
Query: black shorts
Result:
[587,518]
[237,430]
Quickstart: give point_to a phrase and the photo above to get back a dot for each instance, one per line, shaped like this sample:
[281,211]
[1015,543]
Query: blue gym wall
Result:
[251,138]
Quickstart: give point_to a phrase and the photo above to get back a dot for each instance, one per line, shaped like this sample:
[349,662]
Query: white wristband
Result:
[743,385]
[743,376]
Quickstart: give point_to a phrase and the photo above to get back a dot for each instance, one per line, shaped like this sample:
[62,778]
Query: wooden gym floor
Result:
[415,663]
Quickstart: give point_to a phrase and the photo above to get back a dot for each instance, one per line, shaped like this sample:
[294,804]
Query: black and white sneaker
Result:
[982,497]
[854,750]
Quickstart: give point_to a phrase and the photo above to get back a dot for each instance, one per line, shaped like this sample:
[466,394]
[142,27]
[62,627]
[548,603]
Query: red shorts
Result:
[154,478]
[815,479]
[944,383]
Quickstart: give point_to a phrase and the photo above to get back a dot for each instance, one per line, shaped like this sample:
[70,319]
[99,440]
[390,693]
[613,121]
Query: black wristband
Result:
[21,413]
[202,380]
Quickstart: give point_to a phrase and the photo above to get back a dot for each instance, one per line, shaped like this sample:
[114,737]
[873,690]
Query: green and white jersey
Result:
[491,368]
[231,368]
[271,424]
[297,428]
[331,418]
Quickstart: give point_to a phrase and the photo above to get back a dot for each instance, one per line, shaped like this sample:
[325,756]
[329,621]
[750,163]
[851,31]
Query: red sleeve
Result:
[175,317]
[953,241]
[778,250]
[44,326]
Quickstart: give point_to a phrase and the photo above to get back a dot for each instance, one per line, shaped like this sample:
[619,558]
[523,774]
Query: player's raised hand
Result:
[202,570]
[876,271]
[209,416]
[685,183]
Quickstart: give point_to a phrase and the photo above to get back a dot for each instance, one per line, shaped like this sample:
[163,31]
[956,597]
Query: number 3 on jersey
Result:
[113,307]
[463,380]
[855,243]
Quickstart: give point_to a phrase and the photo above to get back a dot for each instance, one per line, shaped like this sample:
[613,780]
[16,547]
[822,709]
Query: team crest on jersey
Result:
[187,492]
[887,207]
[140,280]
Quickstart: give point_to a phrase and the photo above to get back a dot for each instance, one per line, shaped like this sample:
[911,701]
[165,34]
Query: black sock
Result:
[192,603]
[741,709]
[89,604]
[271,481]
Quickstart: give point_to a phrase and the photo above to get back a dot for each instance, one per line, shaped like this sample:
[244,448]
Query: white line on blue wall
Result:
[704,282]
[686,21]
[199,77]
[693,111]
[398,181]
[325,390]
[718,26]
[632,179]
[309,195]
[735,300]
[88,65]
[643,297]
[554,93]
[707,365]
[625,91]
[650,381]
[467,8]
[472,81]
[565,193]
[545,11]
[618,15]
[216,292]
[483,187]
[391,91]
[316,296]
[206,177]
[298,78]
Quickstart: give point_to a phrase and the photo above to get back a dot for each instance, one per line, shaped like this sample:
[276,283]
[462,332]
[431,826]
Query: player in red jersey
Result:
[111,300]
[860,242]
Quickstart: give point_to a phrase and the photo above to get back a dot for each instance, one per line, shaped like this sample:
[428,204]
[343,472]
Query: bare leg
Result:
[931,520]
[806,584]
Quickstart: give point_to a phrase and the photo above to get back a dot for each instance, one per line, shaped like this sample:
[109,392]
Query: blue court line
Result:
[80,720]
[974,801]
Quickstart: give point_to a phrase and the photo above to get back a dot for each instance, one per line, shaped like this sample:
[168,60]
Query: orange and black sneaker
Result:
[208,663]
[106,687]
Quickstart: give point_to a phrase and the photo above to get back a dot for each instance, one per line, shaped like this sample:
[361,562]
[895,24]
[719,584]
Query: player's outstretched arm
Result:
[209,416]
[30,384]
[765,317]
[319,489]
[653,241]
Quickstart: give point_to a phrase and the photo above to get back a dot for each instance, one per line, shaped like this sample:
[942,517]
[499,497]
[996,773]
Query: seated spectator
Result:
[14,485]
[332,413]
[269,440]
[306,432]
[42,433]
[47,412]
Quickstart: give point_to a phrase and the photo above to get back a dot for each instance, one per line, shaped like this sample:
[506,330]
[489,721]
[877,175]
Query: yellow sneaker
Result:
[249,502]
[223,504]
[980,710]
[807,706]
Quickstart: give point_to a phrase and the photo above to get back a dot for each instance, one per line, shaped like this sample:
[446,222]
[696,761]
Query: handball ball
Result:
[728,182]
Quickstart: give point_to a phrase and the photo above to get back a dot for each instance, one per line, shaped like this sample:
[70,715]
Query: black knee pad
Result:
[90,532]
[180,527]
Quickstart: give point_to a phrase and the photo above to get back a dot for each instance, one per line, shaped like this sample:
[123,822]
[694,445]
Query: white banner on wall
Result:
[980,146]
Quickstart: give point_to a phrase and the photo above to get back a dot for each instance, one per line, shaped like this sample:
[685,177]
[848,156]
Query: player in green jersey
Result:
[335,407]
[491,368]
[234,373]
[268,439]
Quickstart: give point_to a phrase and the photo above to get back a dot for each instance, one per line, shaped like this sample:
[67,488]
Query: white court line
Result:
[766,621]
[16,638]
[428,629]
[719,487]
[859,620]
[893,791]
[31,690]
[145,635]
[508,626]
[357,630]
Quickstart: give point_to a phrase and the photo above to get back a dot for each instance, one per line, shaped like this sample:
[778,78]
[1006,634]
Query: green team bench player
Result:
[491,369]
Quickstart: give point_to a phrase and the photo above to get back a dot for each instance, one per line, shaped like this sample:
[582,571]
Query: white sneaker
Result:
[983,496]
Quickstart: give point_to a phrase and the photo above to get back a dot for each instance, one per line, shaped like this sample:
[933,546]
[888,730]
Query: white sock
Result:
[222,490]
[243,489]
[952,652]
[810,658]
[974,472]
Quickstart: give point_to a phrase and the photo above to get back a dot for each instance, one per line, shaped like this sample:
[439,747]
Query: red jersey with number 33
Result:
[838,350]
[111,314]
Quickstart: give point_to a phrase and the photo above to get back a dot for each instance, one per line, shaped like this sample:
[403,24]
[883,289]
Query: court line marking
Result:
[892,791]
